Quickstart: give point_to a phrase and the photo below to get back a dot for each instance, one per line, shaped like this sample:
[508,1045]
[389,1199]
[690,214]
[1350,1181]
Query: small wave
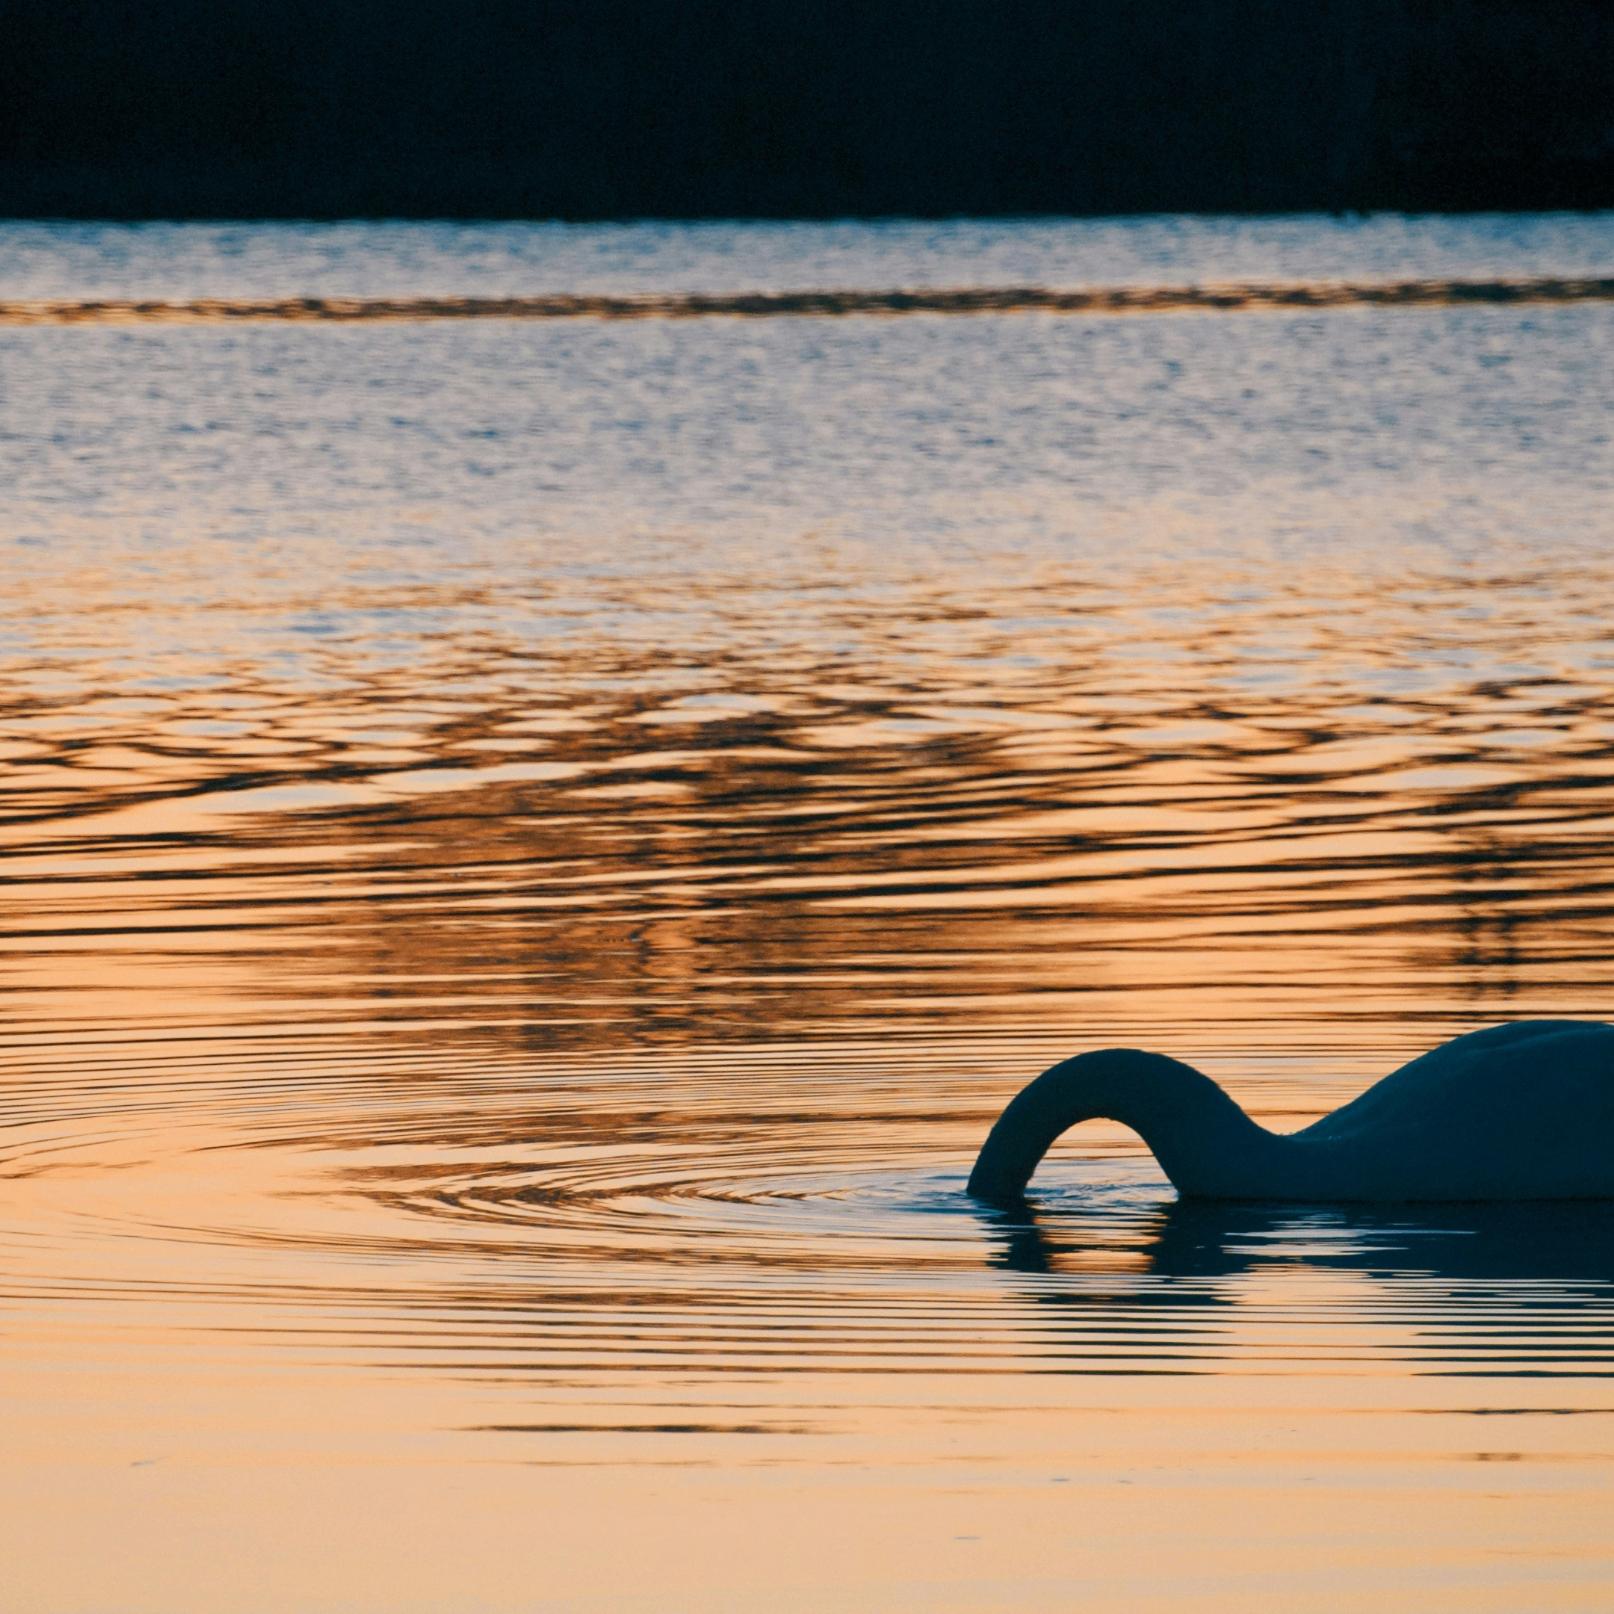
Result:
[1230,298]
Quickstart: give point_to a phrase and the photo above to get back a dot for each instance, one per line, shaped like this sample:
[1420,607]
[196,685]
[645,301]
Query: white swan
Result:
[1523,1111]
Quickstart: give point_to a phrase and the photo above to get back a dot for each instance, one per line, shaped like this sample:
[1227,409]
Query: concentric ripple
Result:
[542,1231]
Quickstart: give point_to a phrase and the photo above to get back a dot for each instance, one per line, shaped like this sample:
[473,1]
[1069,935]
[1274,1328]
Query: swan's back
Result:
[1514,1111]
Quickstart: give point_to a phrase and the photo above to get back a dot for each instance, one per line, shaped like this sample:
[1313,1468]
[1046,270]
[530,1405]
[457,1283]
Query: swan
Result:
[1520,1111]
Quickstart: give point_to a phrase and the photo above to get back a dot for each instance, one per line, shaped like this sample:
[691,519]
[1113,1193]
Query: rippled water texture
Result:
[532,851]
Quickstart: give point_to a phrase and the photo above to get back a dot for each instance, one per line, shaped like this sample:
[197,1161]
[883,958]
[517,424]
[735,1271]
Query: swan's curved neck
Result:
[1204,1142]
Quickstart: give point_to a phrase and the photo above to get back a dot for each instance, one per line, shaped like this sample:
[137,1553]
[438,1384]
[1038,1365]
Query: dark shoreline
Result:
[588,110]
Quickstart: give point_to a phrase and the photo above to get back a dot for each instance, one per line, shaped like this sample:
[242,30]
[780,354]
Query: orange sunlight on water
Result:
[533,853]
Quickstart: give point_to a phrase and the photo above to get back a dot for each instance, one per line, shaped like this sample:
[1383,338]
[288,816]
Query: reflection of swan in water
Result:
[1523,1111]
[1484,1244]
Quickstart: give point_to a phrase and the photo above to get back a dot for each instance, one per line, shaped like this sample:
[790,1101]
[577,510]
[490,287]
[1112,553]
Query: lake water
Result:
[534,848]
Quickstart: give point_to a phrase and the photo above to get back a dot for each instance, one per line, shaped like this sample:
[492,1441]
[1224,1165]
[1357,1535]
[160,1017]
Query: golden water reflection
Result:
[513,925]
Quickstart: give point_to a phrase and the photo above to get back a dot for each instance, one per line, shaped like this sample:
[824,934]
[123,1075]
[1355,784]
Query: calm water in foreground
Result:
[533,849]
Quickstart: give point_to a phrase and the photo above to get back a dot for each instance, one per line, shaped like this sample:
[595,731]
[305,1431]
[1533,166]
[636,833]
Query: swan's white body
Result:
[1523,1111]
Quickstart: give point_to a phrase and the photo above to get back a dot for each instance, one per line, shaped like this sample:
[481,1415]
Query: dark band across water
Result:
[1233,298]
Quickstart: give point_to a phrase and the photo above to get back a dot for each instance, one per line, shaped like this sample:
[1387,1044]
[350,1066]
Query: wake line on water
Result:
[1231,298]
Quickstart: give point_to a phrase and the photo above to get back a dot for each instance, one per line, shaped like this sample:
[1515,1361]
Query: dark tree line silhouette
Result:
[757,108]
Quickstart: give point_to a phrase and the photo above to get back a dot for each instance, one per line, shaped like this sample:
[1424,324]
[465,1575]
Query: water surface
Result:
[532,852]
